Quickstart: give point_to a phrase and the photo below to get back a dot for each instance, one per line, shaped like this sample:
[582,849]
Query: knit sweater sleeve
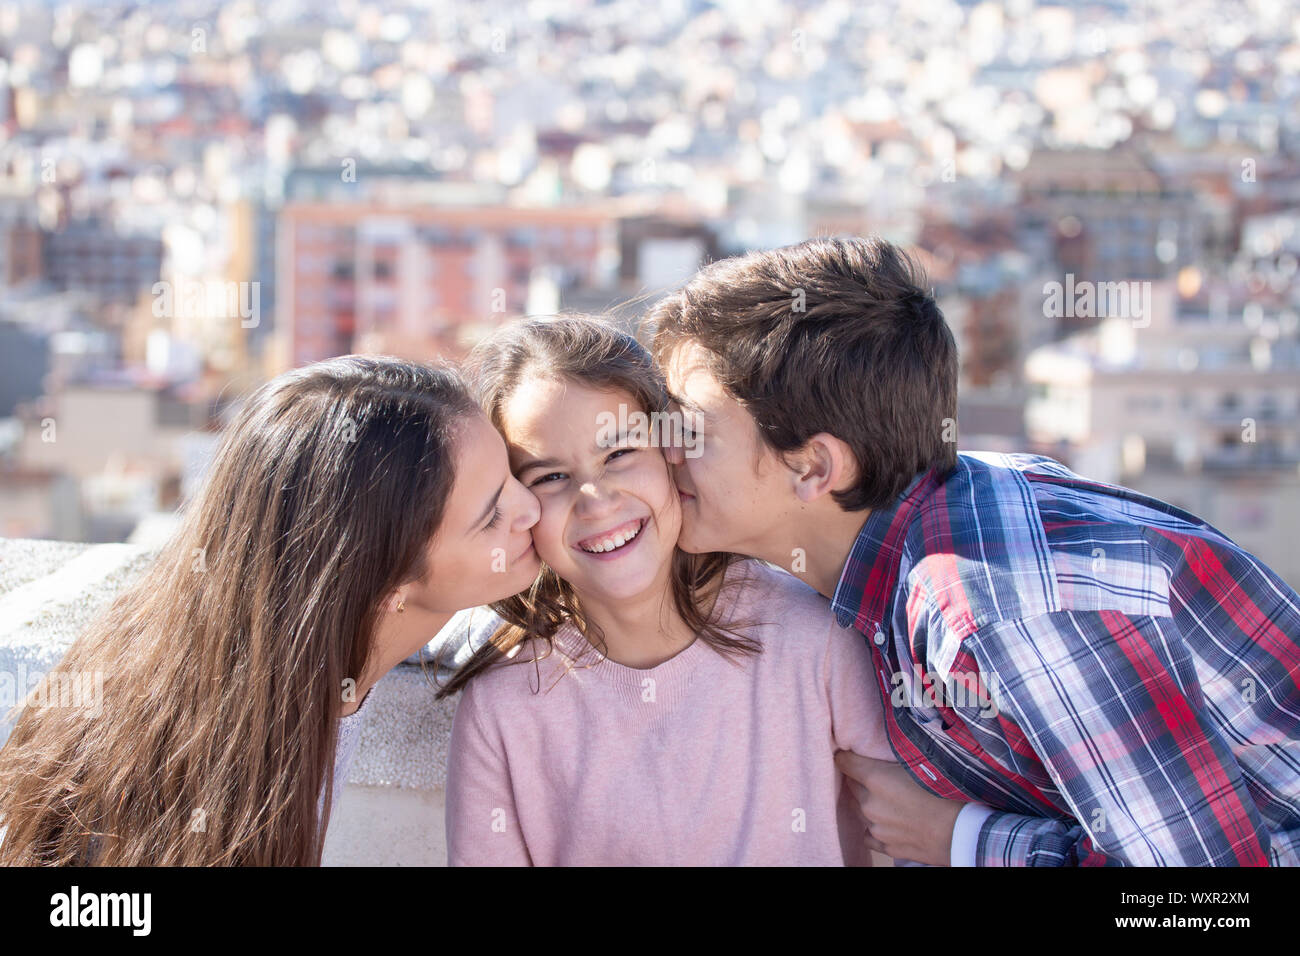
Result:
[482,823]
[858,724]
[857,714]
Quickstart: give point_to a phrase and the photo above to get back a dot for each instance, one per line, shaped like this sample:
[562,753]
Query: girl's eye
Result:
[545,478]
[496,516]
[621,451]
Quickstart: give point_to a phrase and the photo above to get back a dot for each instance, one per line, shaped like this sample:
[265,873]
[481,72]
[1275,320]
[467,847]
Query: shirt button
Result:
[880,637]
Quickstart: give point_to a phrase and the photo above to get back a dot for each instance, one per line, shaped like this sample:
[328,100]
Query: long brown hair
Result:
[587,351]
[224,666]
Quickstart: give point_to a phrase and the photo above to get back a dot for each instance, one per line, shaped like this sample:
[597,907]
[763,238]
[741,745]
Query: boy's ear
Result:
[824,464]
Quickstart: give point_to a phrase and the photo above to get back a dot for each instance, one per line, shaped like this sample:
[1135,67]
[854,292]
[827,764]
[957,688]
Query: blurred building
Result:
[21,243]
[1200,408]
[1111,215]
[95,257]
[419,282]
[108,452]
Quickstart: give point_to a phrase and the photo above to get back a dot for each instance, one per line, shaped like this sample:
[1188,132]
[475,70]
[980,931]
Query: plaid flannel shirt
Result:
[1110,674]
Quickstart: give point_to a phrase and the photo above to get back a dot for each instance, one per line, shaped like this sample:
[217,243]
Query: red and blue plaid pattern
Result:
[1134,673]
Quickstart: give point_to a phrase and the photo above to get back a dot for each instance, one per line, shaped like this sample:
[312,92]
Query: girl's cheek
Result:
[660,484]
[548,530]
[657,489]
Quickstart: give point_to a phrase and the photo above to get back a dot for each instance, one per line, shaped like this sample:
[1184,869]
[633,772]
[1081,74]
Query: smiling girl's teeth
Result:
[613,541]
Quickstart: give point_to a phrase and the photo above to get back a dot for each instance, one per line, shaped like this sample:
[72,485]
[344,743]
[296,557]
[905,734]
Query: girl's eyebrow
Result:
[538,463]
[596,449]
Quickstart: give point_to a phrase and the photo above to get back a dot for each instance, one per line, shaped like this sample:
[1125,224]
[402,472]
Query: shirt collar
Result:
[870,574]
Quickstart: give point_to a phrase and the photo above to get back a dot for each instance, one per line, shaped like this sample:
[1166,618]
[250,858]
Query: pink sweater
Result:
[697,761]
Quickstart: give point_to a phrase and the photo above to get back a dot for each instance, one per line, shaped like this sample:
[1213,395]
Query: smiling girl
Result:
[643,706]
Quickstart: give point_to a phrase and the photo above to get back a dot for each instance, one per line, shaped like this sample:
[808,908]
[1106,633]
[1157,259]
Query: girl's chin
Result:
[615,580]
[612,597]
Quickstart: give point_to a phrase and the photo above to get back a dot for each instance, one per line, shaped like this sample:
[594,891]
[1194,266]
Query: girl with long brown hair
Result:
[639,704]
[352,507]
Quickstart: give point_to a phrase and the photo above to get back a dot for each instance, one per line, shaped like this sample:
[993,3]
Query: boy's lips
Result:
[685,495]
[524,553]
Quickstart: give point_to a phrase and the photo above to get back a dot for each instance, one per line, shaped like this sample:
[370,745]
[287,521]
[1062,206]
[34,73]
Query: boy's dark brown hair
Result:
[830,335]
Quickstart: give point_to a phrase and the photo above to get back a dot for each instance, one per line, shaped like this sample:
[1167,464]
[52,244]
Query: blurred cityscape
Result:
[196,196]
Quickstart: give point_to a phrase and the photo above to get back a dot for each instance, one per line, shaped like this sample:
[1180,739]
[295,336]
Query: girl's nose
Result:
[595,499]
